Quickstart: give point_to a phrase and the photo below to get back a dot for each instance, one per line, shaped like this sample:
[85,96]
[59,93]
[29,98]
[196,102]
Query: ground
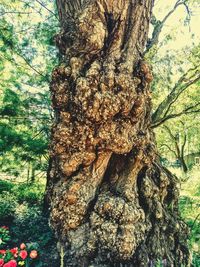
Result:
[21,210]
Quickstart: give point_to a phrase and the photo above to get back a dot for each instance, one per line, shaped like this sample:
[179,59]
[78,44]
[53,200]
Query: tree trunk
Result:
[28,172]
[183,164]
[111,202]
[32,173]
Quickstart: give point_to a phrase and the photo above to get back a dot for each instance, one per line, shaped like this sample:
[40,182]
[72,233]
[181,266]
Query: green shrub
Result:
[32,194]
[5,186]
[195,260]
[31,226]
[197,193]
[4,236]
[8,205]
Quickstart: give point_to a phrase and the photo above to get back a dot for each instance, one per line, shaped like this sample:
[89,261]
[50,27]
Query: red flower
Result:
[11,263]
[23,254]
[2,251]
[33,254]
[14,251]
[22,246]
[1,262]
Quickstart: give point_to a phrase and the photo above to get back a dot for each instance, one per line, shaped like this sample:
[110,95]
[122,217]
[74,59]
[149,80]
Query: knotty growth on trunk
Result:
[111,201]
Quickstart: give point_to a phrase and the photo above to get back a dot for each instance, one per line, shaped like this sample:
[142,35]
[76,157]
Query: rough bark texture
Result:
[111,201]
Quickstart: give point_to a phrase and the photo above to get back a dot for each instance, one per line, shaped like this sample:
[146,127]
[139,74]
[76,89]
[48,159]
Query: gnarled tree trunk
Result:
[112,203]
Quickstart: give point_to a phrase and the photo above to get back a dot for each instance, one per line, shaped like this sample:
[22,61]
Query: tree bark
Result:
[111,202]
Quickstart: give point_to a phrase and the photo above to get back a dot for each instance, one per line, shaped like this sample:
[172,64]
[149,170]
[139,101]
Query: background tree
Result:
[176,82]
[27,54]
[180,91]
[177,140]
[111,200]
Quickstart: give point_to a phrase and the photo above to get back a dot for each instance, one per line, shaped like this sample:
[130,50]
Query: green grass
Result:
[190,211]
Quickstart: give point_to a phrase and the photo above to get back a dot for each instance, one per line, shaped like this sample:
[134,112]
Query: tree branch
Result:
[43,5]
[14,12]
[27,63]
[186,111]
[170,149]
[183,145]
[195,220]
[32,67]
[182,89]
[175,141]
[42,118]
[159,25]
[183,83]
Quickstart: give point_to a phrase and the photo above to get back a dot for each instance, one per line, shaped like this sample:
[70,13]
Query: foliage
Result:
[31,224]
[31,193]
[5,186]
[21,209]
[27,222]
[13,197]
[4,236]
[26,62]
[7,206]
[190,210]
[175,64]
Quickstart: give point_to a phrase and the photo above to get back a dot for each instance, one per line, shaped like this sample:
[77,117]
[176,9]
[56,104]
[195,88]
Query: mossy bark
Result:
[111,202]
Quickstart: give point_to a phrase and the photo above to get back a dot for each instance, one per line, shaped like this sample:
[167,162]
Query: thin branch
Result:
[186,111]
[31,66]
[158,27]
[183,145]
[42,4]
[15,12]
[195,221]
[175,141]
[23,30]
[184,82]
[170,149]
[15,50]
[184,87]
[42,118]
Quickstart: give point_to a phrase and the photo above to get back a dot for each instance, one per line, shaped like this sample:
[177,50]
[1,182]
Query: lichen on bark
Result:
[111,202]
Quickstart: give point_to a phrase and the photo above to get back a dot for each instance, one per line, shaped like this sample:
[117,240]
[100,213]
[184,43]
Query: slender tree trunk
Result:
[183,164]
[179,148]
[28,172]
[33,173]
[111,202]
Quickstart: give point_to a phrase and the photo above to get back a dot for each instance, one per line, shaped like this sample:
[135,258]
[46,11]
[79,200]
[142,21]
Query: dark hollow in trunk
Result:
[111,202]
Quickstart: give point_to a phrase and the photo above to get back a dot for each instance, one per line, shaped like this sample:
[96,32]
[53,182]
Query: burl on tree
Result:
[111,202]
